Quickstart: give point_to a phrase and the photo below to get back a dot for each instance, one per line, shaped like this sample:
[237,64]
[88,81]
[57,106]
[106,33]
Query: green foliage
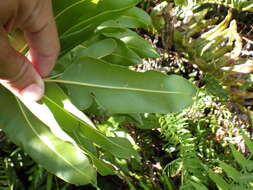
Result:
[97,46]
[127,135]
[37,140]
[183,145]
[215,44]
[109,93]
[241,5]
[193,144]
[236,177]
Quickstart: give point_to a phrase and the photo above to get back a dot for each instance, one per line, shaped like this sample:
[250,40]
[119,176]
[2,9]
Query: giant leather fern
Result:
[217,49]
[174,128]
[241,5]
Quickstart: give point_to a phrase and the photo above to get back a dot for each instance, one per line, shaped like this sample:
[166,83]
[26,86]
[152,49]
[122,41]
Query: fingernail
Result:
[33,92]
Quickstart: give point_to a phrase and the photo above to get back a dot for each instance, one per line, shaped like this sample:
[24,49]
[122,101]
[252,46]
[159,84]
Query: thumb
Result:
[17,73]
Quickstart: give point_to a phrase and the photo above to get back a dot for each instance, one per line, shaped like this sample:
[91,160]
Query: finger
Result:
[17,73]
[41,35]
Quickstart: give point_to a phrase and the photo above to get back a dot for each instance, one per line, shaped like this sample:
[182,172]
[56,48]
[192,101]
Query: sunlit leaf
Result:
[59,157]
[74,122]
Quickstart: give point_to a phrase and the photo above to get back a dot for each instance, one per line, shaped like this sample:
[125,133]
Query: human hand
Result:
[20,74]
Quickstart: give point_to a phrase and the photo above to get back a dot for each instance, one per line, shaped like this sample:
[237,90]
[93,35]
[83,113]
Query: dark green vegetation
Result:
[144,130]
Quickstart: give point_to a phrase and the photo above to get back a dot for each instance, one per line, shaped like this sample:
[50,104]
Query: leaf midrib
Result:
[38,136]
[114,87]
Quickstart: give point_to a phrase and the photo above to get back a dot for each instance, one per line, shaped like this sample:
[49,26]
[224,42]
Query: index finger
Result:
[41,34]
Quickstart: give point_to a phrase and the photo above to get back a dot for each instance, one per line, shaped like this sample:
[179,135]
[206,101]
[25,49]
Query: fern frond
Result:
[174,128]
[217,50]
[240,5]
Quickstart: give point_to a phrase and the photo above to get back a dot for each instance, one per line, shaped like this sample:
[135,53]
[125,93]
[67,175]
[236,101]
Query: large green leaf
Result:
[112,5]
[135,18]
[120,90]
[75,122]
[105,10]
[135,42]
[102,167]
[77,19]
[102,47]
[67,14]
[63,5]
[72,40]
[99,49]
[123,56]
[60,157]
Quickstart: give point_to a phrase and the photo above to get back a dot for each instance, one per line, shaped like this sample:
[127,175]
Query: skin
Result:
[20,74]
